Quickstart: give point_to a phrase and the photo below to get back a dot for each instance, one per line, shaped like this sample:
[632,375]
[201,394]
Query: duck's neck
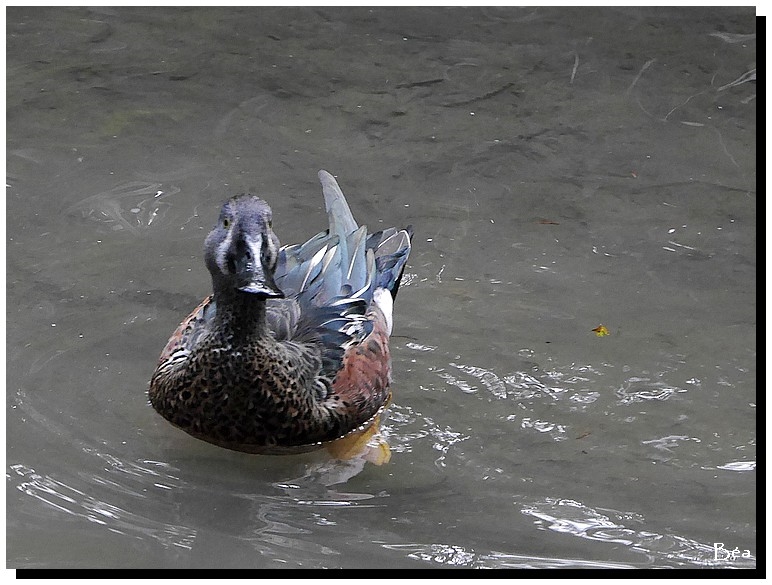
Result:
[240,316]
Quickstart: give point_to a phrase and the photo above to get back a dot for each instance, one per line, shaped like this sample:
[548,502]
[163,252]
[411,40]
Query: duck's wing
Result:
[391,249]
[321,306]
[333,278]
[192,329]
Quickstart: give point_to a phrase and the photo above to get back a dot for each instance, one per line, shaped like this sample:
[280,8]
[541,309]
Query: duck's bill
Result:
[263,289]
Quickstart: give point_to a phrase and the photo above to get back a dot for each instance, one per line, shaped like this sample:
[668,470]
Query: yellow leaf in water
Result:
[601,331]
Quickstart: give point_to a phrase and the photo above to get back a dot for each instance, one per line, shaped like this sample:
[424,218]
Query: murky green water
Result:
[562,170]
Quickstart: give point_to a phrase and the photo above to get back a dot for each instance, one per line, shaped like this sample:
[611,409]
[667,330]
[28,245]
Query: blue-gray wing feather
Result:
[329,280]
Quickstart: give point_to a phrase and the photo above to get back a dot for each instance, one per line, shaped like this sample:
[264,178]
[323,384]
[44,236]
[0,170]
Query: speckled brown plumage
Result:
[251,371]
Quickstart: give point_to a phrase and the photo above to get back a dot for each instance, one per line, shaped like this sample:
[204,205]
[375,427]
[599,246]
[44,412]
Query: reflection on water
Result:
[72,501]
[738,466]
[122,495]
[132,206]
[637,389]
[409,428]
[458,556]
[662,550]
[274,529]
[270,524]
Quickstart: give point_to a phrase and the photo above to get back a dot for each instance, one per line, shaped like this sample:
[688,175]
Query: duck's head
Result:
[241,251]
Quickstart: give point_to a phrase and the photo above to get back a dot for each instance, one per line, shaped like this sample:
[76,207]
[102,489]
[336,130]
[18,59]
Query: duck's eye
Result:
[226,223]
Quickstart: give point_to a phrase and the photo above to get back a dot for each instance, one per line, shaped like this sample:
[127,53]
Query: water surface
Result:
[562,170]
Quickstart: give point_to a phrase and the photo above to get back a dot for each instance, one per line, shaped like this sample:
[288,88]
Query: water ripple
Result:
[454,555]
[487,378]
[644,389]
[576,384]
[555,430]
[574,518]
[667,443]
[406,426]
[133,206]
[70,500]
[738,466]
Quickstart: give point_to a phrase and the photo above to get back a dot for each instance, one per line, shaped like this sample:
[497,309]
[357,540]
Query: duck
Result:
[291,350]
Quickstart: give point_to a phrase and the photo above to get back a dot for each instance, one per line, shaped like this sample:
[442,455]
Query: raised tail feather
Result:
[391,247]
[342,222]
[344,261]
